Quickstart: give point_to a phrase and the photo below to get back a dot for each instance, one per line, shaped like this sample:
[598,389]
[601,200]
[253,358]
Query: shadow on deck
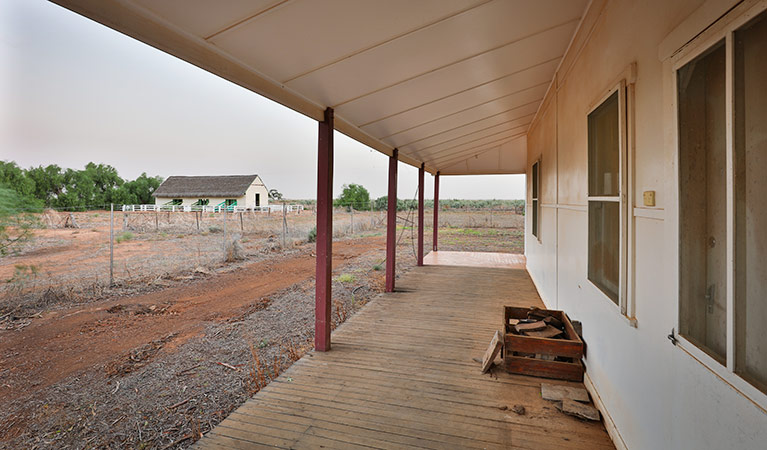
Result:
[401,374]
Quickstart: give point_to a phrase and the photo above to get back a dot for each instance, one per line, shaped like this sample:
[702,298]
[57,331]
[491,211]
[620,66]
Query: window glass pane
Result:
[702,202]
[535,180]
[750,151]
[604,149]
[604,246]
[535,217]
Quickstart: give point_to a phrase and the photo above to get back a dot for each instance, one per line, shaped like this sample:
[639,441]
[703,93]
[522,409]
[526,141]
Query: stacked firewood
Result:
[539,323]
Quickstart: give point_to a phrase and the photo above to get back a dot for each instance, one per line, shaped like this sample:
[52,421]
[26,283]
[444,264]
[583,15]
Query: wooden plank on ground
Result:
[492,351]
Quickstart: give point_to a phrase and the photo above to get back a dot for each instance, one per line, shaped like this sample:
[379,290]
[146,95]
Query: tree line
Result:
[357,197]
[95,186]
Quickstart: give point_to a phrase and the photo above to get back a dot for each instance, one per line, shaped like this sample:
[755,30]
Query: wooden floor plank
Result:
[402,375]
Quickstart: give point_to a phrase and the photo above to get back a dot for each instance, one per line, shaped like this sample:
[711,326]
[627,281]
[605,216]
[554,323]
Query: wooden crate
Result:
[517,345]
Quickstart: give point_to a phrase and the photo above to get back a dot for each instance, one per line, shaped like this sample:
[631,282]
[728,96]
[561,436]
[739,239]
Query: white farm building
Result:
[230,191]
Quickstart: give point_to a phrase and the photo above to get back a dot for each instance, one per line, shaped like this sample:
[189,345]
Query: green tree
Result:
[138,191]
[14,177]
[95,185]
[49,182]
[16,218]
[354,196]
[105,181]
[381,203]
[78,191]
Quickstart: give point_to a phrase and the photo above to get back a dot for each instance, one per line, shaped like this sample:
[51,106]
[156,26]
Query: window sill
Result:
[631,321]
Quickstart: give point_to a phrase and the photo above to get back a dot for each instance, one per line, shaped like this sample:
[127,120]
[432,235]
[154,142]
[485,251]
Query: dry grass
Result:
[64,266]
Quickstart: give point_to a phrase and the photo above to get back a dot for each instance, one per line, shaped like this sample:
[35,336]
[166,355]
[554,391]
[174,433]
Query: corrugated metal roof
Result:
[205,186]
[454,84]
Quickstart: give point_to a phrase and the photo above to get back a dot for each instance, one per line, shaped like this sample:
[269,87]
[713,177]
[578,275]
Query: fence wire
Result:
[68,254]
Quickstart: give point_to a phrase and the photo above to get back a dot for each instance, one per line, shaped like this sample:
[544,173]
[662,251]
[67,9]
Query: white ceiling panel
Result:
[433,150]
[476,37]
[511,104]
[306,35]
[448,160]
[506,158]
[472,139]
[198,18]
[510,59]
[430,95]
[452,151]
[451,83]
[422,145]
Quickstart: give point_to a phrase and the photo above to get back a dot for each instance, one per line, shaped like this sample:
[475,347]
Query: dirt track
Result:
[63,343]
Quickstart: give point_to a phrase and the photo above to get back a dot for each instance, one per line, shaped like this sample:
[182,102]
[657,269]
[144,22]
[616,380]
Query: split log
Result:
[492,351]
[535,326]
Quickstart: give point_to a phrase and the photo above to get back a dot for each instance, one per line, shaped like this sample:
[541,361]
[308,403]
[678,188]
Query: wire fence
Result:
[80,254]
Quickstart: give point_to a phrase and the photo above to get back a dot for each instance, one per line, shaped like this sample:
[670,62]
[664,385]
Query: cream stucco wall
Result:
[257,187]
[657,395]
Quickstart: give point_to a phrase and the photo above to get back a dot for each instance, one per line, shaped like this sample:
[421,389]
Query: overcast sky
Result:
[74,91]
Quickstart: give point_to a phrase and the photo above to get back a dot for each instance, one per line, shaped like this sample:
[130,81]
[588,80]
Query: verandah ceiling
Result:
[450,83]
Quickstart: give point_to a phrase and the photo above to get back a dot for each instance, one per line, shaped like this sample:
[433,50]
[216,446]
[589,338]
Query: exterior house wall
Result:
[248,200]
[250,195]
[656,395]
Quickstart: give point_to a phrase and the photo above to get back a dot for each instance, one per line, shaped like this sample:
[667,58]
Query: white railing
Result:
[211,208]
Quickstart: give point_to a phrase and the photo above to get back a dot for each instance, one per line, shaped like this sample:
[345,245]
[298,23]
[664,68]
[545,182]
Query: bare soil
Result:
[108,373]
[156,363]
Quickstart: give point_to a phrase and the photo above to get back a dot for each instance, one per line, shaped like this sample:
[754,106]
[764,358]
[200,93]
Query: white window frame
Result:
[620,87]
[535,202]
[723,29]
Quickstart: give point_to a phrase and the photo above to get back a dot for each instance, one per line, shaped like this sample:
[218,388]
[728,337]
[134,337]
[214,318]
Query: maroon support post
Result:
[322,295]
[391,222]
[419,258]
[436,210]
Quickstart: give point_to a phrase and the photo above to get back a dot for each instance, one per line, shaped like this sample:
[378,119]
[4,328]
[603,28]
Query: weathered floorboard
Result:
[401,375]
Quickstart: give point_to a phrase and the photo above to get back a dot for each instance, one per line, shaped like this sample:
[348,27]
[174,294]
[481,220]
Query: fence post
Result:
[284,225]
[491,215]
[352,219]
[242,227]
[156,221]
[197,219]
[111,244]
[223,211]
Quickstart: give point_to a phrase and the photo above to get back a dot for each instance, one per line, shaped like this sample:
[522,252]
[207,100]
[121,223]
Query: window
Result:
[702,194]
[202,202]
[258,199]
[606,138]
[722,138]
[535,187]
[750,191]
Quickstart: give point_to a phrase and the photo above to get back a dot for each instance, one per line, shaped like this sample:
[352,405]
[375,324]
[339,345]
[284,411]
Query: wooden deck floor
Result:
[475,259]
[401,375]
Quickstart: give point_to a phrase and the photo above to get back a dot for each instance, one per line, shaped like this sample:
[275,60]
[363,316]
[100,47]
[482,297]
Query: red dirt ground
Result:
[62,343]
